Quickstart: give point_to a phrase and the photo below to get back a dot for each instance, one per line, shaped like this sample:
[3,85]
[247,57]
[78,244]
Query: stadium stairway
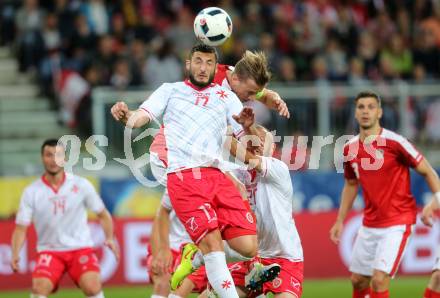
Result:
[25,120]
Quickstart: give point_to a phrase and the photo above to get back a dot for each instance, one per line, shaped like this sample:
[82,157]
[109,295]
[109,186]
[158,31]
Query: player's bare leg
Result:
[285,295]
[41,287]
[380,281]
[208,293]
[185,288]
[90,284]
[433,288]
[161,285]
[361,285]
[215,262]
[246,245]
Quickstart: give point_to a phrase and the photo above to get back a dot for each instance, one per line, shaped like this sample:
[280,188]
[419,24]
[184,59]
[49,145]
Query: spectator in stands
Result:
[137,56]
[287,73]
[121,77]
[382,27]
[356,75]
[398,56]
[97,16]
[29,21]
[82,44]
[426,52]
[162,66]
[336,60]
[105,58]
[368,53]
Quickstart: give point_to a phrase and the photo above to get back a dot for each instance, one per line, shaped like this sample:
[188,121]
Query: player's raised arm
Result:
[272,100]
[432,179]
[348,196]
[17,241]
[133,119]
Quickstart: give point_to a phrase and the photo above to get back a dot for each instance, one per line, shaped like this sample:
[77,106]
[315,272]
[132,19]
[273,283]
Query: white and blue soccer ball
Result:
[213,26]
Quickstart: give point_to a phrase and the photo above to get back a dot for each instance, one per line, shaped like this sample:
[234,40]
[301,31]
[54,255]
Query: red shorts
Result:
[205,199]
[289,280]
[53,264]
[175,263]
[200,280]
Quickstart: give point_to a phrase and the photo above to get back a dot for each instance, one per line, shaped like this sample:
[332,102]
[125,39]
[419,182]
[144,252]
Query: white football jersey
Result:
[195,122]
[59,217]
[178,234]
[270,194]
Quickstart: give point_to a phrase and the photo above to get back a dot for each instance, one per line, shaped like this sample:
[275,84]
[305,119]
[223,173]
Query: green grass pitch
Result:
[401,287]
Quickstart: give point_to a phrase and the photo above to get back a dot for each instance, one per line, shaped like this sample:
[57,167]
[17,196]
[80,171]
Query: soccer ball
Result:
[212,26]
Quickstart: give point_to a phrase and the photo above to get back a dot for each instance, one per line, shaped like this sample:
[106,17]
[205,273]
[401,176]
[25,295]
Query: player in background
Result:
[270,192]
[195,116]
[57,205]
[166,239]
[242,80]
[378,160]
[248,80]
[433,288]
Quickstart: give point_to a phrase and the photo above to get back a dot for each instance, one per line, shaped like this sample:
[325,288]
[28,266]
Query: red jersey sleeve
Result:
[410,156]
[348,170]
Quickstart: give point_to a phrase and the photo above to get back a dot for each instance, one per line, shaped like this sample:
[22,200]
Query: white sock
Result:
[171,295]
[218,275]
[158,296]
[99,295]
[232,255]
[198,260]
[37,296]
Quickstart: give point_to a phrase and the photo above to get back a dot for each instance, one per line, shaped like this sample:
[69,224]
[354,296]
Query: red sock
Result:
[384,294]
[361,293]
[427,293]
[431,294]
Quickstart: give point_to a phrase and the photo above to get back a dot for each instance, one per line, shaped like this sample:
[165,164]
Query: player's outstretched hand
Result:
[336,232]
[119,110]
[14,263]
[111,243]
[428,212]
[162,262]
[246,117]
[279,104]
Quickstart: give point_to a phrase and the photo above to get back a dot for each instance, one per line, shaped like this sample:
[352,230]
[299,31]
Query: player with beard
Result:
[196,113]
[57,205]
[378,160]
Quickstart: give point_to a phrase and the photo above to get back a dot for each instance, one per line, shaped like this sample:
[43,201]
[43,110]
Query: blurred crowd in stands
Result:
[72,45]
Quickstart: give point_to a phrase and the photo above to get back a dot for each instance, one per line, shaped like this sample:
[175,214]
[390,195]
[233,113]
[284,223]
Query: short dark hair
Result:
[367,93]
[203,48]
[49,143]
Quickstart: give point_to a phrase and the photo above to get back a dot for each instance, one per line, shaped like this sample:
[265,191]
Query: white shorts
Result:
[158,169]
[437,261]
[379,249]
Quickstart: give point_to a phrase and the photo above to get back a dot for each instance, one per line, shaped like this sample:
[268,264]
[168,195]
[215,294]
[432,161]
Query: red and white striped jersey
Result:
[270,195]
[59,217]
[158,145]
[195,121]
[382,169]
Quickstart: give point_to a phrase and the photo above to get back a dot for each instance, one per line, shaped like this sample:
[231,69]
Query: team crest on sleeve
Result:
[249,217]
[276,283]
[222,94]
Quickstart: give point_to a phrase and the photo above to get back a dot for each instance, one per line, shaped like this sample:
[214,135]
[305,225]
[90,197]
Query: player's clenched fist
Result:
[119,110]
[336,232]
